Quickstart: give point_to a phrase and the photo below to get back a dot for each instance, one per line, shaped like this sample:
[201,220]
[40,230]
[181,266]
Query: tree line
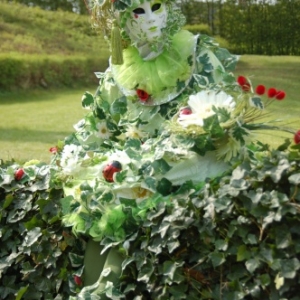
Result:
[250,26]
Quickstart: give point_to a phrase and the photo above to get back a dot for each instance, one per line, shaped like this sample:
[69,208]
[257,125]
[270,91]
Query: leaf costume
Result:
[138,149]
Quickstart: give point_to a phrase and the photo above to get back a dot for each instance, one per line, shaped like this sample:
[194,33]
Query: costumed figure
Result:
[168,113]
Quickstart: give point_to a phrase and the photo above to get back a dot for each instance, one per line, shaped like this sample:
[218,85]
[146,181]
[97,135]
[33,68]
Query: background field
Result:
[32,122]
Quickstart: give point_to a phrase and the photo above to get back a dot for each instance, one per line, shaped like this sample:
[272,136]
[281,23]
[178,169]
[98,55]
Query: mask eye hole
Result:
[156,6]
[139,11]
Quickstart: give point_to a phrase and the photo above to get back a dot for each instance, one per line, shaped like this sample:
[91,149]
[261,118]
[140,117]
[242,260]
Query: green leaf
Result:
[217,258]
[289,267]
[169,268]
[202,81]
[119,106]
[87,100]
[151,183]
[8,199]
[256,102]
[243,253]
[32,236]
[66,204]
[294,179]
[212,126]
[238,133]
[252,264]
[21,292]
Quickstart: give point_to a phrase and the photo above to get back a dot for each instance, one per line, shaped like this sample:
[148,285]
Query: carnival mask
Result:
[146,22]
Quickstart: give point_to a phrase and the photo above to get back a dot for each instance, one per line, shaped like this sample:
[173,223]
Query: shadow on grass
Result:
[20,135]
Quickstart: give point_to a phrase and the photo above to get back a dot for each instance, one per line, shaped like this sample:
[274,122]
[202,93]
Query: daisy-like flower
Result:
[134,132]
[103,131]
[202,105]
[69,158]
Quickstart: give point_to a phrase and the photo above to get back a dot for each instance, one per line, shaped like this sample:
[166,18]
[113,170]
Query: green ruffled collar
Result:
[161,79]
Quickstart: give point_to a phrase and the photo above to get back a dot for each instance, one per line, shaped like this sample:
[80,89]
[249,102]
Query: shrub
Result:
[198,28]
[234,237]
[31,71]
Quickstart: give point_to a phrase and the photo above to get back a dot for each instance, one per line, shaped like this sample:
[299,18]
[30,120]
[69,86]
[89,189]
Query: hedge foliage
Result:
[251,26]
[31,71]
[235,237]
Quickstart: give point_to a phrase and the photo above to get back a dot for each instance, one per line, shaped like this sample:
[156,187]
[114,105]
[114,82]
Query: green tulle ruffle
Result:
[163,77]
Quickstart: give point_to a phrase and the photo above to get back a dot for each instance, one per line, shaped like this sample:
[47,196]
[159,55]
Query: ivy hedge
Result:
[234,237]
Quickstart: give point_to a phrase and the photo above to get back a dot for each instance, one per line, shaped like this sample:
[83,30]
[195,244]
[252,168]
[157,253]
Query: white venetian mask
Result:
[146,22]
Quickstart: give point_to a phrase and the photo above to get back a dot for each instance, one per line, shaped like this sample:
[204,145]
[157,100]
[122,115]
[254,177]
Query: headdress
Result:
[110,17]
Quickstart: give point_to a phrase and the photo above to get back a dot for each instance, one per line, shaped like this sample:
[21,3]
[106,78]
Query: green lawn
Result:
[32,122]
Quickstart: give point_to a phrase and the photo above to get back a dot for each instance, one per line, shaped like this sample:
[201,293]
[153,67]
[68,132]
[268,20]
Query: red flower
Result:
[272,92]
[78,280]
[243,82]
[144,96]
[109,171]
[186,111]
[260,89]
[53,150]
[19,174]
[280,95]
[297,137]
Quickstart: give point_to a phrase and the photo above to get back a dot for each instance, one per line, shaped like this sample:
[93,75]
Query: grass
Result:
[32,122]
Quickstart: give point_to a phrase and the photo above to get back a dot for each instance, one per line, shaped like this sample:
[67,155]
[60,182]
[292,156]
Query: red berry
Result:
[78,280]
[297,137]
[260,89]
[272,92]
[280,95]
[186,111]
[110,170]
[19,174]
[242,80]
[144,96]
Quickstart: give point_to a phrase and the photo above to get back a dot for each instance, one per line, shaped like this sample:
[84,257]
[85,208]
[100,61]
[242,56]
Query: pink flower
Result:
[280,95]
[260,89]
[144,96]
[19,174]
[272,92]
[53,150]
[297,137]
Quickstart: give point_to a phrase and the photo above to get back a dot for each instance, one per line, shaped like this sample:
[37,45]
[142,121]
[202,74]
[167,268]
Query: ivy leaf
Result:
[252,264]
[87,100]
[217,258]
[122,5]
[256,102]
[212,126]
[289,267]
[119,106]
[202,81]
[243,253]
[180,85]
[32,236]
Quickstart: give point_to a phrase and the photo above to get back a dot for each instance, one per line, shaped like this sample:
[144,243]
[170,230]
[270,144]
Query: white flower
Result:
[70,158]
[202,104]
[134,132]
[103,131]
